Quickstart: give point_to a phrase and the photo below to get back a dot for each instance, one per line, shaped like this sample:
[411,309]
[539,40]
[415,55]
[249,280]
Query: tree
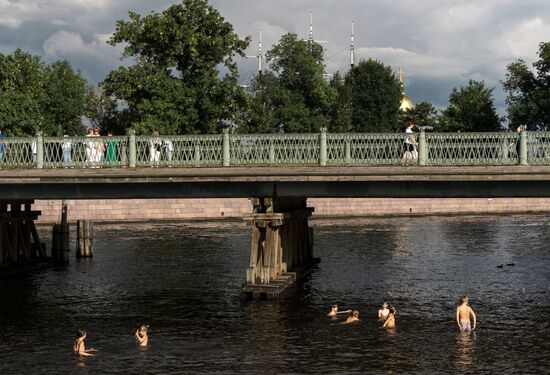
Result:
[294,97]
[471,109]
[340,110]
[175,87]
[375,97]
[35,97]
[65,97]
[423,115]
[528,93]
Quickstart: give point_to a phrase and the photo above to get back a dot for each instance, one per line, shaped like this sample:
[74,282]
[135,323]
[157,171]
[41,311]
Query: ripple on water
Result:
[183,280]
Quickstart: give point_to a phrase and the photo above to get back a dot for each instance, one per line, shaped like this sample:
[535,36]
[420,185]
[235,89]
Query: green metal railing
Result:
[293,150]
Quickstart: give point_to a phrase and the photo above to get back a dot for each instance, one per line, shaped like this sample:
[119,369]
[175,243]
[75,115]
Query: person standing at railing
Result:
[34,150]
[66,147]
[517,140]
[169,147]
[110,157]
[99,149]
[89,147]
[155,145]
[2,148]
[409,144]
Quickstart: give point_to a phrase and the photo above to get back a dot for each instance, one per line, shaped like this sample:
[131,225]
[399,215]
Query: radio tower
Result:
[352,49]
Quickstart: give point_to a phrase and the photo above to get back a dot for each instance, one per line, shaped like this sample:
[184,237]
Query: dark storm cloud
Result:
[440,43]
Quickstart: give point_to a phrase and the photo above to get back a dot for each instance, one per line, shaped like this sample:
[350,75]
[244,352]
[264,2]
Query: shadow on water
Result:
[183,280]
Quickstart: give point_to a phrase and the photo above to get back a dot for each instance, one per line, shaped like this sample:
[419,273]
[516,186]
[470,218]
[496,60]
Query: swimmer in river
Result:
[141,335]
[463,313]
[352,318]
[384,311]
[334,311]
[78,346]
[390,320]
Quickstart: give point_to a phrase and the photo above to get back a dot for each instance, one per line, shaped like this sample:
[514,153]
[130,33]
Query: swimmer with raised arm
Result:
[390,320]
[334,311]
[78,346]
[142,338]
[384,311]
[463,314]
[352,318]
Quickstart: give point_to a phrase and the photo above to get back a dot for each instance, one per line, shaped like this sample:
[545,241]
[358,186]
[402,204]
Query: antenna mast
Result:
[260,57]
[352,49]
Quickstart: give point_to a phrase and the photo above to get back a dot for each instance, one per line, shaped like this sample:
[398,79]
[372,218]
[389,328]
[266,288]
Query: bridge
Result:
[278,172]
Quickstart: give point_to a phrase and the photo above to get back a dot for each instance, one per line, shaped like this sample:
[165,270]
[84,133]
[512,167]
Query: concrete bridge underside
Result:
[410,182]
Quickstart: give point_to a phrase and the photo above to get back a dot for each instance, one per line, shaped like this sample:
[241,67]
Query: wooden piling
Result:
[60,244]
[85,240]
[281,248]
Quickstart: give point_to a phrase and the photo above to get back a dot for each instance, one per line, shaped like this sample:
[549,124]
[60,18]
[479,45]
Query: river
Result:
[183,280]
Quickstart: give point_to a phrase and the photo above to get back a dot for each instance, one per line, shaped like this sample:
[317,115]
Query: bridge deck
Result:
[402,181]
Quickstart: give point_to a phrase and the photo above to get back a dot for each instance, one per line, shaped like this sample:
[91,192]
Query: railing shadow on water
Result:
[278,150]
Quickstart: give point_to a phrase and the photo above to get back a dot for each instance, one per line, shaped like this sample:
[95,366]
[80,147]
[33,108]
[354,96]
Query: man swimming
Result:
[352,318]
[463,313]
[78,346]
[384,311]
[334,311]
[390,320]
[141,335]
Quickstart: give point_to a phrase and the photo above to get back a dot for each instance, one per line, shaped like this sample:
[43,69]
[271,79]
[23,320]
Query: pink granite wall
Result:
[181,209]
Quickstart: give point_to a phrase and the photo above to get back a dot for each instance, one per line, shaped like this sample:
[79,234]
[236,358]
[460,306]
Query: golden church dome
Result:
[406,103]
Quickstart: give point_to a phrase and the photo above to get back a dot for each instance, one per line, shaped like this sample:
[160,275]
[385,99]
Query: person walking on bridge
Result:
[409,144]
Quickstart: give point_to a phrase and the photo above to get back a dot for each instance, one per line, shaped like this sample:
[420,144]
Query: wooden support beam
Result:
[37,242]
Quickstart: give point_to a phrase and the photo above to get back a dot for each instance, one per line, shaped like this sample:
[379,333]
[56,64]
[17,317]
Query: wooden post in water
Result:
[85,238]
[60,244]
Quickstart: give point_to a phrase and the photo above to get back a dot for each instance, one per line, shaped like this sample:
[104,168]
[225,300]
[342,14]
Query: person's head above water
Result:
[385,305]
[392,310]
[143,328]
[355,314]
[80,334]
[464,299]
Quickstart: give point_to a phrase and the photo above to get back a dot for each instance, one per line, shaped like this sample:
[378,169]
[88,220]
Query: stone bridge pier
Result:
[282,245]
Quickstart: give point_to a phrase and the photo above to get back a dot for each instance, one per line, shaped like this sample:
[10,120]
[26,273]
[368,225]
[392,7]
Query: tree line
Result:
[184,80]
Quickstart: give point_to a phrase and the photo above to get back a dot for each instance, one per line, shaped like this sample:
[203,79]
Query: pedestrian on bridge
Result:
[409,152]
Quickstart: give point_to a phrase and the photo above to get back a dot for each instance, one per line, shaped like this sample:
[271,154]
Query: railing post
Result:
[348,152]
[197,152]
[523,149]
[39,151]
[132,149]
[323,146]
[422,151]
[504,152]
[271,152]
[226,158]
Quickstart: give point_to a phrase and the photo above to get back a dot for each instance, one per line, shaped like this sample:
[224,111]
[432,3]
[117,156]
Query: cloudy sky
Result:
[439,43]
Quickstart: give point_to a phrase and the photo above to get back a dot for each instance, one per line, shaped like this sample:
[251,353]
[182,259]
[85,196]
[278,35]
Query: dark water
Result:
[183,280]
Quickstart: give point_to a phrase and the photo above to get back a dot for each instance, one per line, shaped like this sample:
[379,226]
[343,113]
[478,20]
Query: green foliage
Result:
[295,98]
[528,93]
[35,97]
[471,109]
[174,87]
[375,97]
[424,114]
[65,99]
[340,110]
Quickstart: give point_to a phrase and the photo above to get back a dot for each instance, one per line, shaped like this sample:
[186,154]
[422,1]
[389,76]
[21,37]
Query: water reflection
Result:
[465,348]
